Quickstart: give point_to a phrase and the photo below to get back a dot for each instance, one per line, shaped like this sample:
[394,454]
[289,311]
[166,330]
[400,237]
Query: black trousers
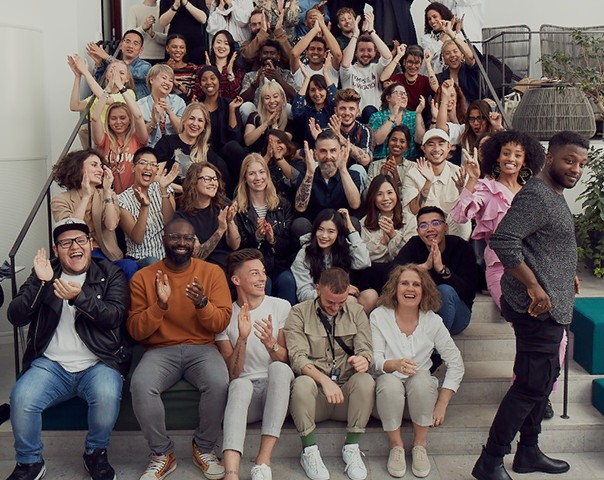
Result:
[537,367]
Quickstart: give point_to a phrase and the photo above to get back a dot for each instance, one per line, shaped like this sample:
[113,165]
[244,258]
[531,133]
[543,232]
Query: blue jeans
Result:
[454,312]
[284,286]
[45,384]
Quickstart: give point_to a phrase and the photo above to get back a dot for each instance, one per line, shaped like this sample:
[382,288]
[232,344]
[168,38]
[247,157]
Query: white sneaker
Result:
[420,463]
[262,472]
[313,464]
[160,466]
[355,468]
[397,466]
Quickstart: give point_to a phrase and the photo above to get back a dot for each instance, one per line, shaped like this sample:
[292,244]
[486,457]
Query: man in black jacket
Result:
[451,263]
[75,307]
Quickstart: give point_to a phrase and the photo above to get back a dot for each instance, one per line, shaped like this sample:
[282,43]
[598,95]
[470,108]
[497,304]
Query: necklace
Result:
[409,82]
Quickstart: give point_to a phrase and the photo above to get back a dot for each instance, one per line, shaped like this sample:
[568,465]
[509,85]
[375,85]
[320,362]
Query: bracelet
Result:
[173,9]
[123,90]
[110,59]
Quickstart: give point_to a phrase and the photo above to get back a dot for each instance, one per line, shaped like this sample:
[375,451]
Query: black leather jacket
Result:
[276,257]
[100,320]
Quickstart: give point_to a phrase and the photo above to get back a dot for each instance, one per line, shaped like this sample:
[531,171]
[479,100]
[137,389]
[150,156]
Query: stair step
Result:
[486,341]
[484,310]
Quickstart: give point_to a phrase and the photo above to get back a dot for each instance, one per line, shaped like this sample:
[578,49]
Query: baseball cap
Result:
[435,132]
[69,224]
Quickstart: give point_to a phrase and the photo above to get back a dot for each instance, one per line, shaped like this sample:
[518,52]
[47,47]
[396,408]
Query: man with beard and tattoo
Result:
[75,306]
[178,305]
[331,185]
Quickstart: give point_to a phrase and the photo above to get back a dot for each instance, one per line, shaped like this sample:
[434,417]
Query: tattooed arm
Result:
[305,188]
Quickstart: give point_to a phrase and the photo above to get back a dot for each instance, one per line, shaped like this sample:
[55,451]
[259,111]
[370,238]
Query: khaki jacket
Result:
[307,341]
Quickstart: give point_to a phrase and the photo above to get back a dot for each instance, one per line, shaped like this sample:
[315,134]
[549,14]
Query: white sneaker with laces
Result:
[420,463]
[313,465]
[355,468]
[160,466]
[262,472]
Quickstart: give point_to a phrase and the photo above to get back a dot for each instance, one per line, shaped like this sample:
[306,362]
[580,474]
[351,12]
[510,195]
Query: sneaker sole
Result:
[315,478]
[42,473]
[209,476]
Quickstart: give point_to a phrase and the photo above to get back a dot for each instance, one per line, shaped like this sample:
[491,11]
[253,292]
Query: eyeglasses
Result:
[177,237]
[208,179]
[400,93]
[68,242]
[435,223]
[410,62]
[131,42]
[145,163]
[475,119]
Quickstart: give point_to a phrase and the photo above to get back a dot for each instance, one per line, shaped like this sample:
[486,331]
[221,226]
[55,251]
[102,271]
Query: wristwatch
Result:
[445,272]
[202,303]
[275,347]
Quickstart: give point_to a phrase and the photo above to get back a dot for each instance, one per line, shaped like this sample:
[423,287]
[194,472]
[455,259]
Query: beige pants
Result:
[420,391]
[309,406]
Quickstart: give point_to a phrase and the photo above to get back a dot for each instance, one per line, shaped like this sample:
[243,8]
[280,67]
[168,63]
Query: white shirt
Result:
[390,343]
[66,347]
[366,81]
[299,76]
[257,357]
[235,19]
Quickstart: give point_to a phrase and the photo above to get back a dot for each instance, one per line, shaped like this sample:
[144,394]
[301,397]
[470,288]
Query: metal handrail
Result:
[44,195]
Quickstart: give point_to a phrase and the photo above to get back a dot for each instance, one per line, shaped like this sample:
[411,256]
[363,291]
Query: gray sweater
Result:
[539,230]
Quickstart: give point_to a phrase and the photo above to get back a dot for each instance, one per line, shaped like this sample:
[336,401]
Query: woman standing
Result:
[187,18]
[406,332]
[264,221]
[184,72]
[434,35]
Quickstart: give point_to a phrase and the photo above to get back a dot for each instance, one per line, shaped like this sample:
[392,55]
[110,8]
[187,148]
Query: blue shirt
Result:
[139,69]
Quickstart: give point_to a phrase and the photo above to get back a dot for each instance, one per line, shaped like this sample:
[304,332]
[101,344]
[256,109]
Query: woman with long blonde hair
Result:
[264,221]
[272,113]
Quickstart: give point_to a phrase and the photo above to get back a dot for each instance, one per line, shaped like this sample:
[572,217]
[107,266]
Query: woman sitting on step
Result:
[406,332]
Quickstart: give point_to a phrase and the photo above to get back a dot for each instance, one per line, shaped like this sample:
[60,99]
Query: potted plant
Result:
[590,223]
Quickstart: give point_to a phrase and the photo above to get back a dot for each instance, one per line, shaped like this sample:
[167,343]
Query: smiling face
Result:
[326,235]
[118,120]
[177,49]
[347,112]
[316,53]
[436,150]
[327,152]
[195,123]
[76,258]
[412,65]
[346,22]
[330,302]
[434,18]
[256,177]
[409,289]
[131,46]
[511,159]
[398,97]
[365,53]
[452,56]
[209,84]
[250,279]
[478,123]
[255,23]
[279,148]
[397,144]
[385,198]
[220,46]
[162,84]
[431,227]
[93,167]
[273,101]
[145,170]
[269,53]
[179,240]
[207,182]
[565,166]
[317,94]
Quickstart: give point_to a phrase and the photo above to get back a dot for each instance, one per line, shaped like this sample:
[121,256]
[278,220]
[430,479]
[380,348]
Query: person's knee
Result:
[362,384]
[303,387]
[280,370]
[388,384]
[447,293]
[241,388]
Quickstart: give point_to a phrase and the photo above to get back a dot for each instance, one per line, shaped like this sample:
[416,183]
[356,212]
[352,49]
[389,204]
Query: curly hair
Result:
[199,150]
[430,295]
[534,155]
[444,11]
[190,195]
[460,102]
[67,172]
[373,214]
[270,192]
[340,250]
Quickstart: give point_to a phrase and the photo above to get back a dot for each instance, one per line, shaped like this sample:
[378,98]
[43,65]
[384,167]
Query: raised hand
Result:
[194,292]
[342,161]
[42,266]
[425,168]
[368,23]
[244,323]
[66,290]
[107,178]
[142,197]
[356,29]
[428,55]
[346,216]
[263,329]
[166,178]
[314,127]
[231,63]
[472,165]
[231,212]
[387,226]
[208,61]
[433,108]
[222,219]
[421,105]
[335,124]
[162,289]
[86,187]
[148,23]
[437,258]
[236,103]
[309,159]
[460,179]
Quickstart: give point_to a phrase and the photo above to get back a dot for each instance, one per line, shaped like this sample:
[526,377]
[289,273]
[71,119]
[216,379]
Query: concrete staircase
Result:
[487,347]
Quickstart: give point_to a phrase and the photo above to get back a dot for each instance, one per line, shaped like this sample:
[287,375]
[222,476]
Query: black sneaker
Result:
[549,410]
[98,466]
[28,471]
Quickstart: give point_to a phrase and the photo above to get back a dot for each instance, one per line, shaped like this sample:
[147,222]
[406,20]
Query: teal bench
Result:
[588,328]
[597,394]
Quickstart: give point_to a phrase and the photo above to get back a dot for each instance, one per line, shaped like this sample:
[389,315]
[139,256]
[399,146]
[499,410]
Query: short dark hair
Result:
[239,257]
[414,51]
[567,137]
[175,221]
[431,209]
[142,151]
[335,278]
[271,43]
[320,40]
[135,32]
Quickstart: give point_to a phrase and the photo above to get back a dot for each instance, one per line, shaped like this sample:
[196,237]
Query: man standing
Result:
[75,306]
[253,346]
[143,17]
[178,305]
[535,241]
[329,346]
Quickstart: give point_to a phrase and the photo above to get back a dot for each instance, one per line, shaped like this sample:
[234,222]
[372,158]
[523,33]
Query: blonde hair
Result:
[199,150]
[430,294]
[158,68]
[270,193]
[129,79]
[114,145]
[268,89]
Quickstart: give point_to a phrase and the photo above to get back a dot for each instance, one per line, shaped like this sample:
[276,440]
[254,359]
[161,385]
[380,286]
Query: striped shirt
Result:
[153,245]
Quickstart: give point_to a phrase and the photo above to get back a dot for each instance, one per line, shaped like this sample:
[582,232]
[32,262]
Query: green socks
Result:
[309,440]
[352,438]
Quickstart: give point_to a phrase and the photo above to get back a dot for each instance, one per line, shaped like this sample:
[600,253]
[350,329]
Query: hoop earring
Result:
[496,171]
[524,175]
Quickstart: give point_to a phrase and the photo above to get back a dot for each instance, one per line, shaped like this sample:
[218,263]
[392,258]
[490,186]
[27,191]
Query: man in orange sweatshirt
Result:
[178,305]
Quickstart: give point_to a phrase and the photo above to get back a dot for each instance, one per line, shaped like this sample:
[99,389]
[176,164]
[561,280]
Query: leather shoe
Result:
[530,459]
[489,467]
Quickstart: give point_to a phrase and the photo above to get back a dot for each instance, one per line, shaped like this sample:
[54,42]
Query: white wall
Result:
[35,98]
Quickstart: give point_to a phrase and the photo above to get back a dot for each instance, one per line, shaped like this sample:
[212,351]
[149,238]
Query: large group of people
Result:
[291,217]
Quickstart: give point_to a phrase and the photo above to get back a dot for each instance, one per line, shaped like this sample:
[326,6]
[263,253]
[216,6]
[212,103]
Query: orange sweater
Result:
[181,323]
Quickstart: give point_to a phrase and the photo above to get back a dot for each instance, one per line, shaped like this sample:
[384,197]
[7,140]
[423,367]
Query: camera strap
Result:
[331,332]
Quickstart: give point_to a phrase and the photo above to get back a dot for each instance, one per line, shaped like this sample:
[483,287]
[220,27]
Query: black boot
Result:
[529,459]
[489,467]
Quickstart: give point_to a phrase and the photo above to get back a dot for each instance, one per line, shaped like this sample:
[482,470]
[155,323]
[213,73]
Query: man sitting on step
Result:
[178,305]
[329,346]
[75,306]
